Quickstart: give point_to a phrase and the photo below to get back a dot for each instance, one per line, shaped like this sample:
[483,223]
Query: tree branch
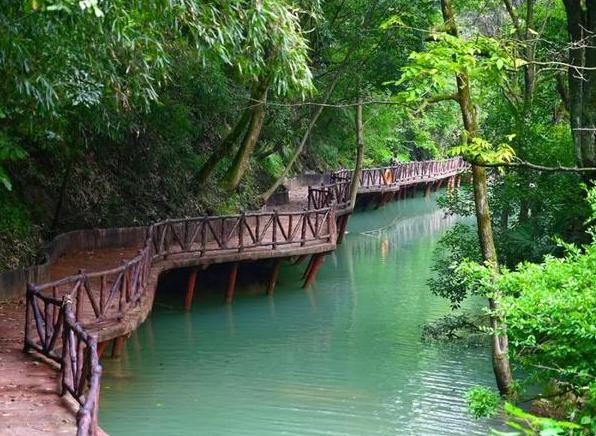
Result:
[526,164]
[514,18]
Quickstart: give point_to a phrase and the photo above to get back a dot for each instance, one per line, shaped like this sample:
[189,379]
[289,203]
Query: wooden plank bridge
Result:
[71,320]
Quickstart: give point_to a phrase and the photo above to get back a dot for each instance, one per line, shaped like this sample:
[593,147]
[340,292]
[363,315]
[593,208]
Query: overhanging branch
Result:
[530,165]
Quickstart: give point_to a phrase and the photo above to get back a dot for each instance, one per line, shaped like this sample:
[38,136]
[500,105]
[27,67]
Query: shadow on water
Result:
[341,358]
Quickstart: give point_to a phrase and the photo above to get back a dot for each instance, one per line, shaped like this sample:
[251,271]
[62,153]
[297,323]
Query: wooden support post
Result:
[190,289]
[458,181]
[309,266]
[101,348]
[428,189]
[232,283]
[118,345]
[273,277]
[317,262]
[342,228]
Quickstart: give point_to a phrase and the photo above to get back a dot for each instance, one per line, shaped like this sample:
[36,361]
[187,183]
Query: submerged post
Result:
[190,289]
[274,276]
[101,348]
[118,345]
[232,283]
[309,266]
[314,268]
[428,189]
[342,227]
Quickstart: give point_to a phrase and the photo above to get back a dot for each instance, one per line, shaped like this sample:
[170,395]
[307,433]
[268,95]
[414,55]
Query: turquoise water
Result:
[342,358]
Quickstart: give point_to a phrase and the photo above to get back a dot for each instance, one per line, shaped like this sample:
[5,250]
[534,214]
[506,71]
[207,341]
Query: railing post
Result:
[332,225]
[241,226]
[203,246]
[303,231]
[28,301]
[79,290]
[274,239]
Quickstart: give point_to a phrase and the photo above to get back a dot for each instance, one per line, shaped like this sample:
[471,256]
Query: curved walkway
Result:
[67,318]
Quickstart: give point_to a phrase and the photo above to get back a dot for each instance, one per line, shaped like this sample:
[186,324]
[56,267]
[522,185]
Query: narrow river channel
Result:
[342,358]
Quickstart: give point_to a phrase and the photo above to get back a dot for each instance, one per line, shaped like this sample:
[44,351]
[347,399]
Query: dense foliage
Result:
[89,87]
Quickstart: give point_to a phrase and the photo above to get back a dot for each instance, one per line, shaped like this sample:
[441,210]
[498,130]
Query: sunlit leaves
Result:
[484,60]
[529,424]
[480,151]
[482,402]
[125,49]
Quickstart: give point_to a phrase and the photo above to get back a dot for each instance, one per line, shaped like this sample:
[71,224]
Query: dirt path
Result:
[29,385]
[29,401]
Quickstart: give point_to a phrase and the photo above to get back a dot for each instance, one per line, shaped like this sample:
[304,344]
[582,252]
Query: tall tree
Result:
[581,25]
[359,152]
[500,358]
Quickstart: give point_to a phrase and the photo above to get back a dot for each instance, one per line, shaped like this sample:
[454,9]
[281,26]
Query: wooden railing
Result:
[337,192]
[81,371]
[58,336]
[405,173]
[247,231]
[61,315]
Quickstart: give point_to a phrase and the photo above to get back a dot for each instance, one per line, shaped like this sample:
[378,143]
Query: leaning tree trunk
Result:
[315,117]
[225,147]
[499,340]
[242,158]
[500,359]
[359,154]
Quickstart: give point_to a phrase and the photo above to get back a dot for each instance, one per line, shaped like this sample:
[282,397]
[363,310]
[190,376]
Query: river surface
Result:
[342,358]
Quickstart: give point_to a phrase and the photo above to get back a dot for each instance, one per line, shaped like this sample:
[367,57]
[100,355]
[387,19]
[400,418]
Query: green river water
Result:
[342,358]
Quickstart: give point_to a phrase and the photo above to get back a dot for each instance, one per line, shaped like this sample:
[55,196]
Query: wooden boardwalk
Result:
[71,319]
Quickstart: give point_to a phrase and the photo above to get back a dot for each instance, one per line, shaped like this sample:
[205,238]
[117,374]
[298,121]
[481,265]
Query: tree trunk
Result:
[530,67]
[225,147]
[581,25]
[61,195]
[242,158]
[359,154]
[500,358]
